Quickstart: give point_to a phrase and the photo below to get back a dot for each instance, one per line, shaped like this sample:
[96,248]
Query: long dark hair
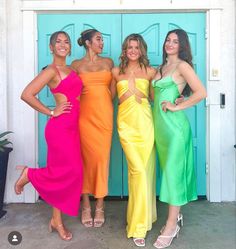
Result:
[184,53]
[143,60]
[86,35]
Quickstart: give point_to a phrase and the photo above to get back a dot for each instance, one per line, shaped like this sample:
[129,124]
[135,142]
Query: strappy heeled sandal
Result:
[162,243]
[180,220]
[99,219]
[86,218]
[140,242]
[63,233]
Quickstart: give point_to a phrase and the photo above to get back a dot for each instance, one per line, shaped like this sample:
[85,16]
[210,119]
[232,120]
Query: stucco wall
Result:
[227,115]
[19,58]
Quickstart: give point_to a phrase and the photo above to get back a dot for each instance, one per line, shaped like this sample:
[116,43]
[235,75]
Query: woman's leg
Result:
[22,180]
[99,218]
[172,218]
[86,217]
[57,224]
[170,230]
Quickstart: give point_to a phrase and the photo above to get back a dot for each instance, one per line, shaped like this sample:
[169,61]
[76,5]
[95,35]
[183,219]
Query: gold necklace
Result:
[132,70]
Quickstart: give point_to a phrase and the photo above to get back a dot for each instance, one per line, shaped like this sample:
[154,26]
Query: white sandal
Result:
[159,243]
[140,242]
[180,220]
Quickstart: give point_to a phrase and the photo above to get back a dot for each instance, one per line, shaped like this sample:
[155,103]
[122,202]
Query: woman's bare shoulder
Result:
[48,70]
[151,71]
[76,62]
[75,65]
[183,65]
[115,70]
[108,61]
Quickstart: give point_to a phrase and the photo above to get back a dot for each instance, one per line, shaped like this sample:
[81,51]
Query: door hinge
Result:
[206,34]
[207,168]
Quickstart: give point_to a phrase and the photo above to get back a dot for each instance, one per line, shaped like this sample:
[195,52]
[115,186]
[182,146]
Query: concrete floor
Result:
[206,226]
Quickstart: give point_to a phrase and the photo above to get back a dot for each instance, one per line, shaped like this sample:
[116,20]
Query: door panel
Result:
[115,27]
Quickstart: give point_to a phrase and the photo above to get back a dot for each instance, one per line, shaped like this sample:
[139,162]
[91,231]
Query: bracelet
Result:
[52,113]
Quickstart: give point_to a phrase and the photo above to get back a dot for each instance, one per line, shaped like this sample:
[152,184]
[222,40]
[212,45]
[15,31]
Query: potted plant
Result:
[4,155]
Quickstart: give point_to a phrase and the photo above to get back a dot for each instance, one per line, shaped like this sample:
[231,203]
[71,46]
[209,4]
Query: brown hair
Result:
[184,53]
[86,35]
[143,60]
[53,38]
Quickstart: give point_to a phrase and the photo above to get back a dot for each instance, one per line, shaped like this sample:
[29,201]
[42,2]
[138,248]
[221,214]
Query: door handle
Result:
[222,100]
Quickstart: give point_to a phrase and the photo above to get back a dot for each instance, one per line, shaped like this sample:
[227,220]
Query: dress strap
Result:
[172,72]
[58,72]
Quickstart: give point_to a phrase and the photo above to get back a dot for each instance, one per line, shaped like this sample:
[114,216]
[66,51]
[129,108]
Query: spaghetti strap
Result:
[172,72]
[58,72]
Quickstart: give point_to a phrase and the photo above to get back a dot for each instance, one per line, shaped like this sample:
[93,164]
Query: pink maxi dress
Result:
[60,182]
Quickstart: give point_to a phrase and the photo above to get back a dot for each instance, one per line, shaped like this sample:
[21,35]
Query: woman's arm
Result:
[152,72]
[75,66]
[197,88]
[113,82]
[35,86]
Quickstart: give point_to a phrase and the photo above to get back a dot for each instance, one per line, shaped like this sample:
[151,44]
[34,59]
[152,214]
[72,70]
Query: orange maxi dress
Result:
[95,126]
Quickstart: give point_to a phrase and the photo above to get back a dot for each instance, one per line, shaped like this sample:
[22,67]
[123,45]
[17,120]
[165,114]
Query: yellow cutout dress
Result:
[136,132]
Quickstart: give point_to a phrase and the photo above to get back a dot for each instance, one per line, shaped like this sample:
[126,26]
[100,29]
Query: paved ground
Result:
[206,226]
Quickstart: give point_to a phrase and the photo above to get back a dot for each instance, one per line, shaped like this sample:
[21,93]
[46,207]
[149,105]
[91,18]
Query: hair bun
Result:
[80,41]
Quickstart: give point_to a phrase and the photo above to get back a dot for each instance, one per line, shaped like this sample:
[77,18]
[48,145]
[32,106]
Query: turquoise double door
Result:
[114,28]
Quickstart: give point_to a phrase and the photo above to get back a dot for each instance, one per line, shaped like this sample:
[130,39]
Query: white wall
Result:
[3,66]
[227,115]
[16,118]
[19,60]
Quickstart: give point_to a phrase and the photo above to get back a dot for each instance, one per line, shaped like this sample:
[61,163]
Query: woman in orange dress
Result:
[95,124]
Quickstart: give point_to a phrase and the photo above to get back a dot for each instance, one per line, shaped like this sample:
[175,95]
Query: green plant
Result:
[4,141]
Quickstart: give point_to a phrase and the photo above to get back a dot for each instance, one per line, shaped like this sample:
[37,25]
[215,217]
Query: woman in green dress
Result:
[172,129]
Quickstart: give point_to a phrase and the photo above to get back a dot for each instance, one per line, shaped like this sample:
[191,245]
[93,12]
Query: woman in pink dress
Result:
[60,182]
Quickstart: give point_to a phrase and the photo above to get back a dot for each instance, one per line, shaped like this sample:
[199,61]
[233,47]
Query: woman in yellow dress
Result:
[131,81]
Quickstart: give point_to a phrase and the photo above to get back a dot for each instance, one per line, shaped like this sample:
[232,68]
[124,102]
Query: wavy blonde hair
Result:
[143,59]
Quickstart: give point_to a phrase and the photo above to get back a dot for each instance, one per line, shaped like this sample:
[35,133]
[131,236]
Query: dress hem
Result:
[179,204]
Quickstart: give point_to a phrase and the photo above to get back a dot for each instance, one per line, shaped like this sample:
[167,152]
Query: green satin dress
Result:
[174,145]
[136,132]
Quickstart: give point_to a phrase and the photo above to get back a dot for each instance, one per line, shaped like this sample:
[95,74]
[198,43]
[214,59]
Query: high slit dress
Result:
[95,125]
[136,132]
[174,145]
[60,182]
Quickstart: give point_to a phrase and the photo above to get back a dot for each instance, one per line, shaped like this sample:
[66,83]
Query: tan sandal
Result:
[99,219]
[86,218]
[63,233]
